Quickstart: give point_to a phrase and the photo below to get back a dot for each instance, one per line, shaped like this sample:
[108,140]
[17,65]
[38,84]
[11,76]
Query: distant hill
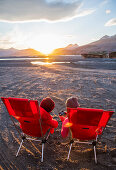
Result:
[72,46]
[7,52]
[68,50]
[106,44]
[27,52]
[19,53]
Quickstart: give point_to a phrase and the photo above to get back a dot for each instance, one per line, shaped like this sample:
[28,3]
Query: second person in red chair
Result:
[70,103]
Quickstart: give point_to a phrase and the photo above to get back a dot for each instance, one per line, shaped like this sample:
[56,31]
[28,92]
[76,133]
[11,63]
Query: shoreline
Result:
[73,62]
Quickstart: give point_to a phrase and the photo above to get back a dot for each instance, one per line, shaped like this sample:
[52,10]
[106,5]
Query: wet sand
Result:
[94,88]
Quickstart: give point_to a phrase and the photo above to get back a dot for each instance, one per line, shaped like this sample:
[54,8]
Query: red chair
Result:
[86,125]
[28,113]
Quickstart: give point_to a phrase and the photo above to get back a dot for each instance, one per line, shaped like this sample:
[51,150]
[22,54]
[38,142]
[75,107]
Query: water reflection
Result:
[40,63]
[47,63]
[23,58]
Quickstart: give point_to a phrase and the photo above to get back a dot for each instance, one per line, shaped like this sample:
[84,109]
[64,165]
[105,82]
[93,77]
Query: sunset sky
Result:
[48,24]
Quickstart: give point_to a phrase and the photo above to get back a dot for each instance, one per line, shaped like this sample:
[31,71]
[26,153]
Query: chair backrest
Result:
[18,107]
[27,113]
[85,122]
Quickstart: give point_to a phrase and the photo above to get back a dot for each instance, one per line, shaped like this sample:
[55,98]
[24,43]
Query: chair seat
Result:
[84,132]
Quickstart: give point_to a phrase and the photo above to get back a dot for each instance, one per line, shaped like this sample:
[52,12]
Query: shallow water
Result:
[71,61]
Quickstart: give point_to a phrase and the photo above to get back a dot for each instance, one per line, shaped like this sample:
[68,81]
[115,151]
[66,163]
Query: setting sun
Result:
[45,43]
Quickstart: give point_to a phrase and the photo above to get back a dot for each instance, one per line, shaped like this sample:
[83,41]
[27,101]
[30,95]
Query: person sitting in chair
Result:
[70,103]
[46,106]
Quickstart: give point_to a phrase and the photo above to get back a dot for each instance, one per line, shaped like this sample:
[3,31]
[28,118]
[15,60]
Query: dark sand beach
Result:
[95,86]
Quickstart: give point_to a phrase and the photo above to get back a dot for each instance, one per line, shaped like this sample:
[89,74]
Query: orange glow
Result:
[45,43]
[68,124]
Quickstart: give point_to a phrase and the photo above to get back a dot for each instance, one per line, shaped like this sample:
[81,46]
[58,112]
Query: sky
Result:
[45,25]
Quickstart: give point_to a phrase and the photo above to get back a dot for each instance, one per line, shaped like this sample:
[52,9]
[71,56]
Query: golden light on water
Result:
[47,63]
[40,63]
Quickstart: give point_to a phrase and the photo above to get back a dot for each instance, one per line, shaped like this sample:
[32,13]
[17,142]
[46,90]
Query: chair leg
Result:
[19,147]
[69,151]
[42,152]
[48,136]
[95,154]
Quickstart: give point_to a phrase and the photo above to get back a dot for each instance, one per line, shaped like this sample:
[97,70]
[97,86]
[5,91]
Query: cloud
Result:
[85,12]
[14,38]
[108,11]
[104,2]
[111,22]
[38,10]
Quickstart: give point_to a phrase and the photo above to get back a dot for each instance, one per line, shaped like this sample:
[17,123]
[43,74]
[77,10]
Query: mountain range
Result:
[19,53]
[106,44]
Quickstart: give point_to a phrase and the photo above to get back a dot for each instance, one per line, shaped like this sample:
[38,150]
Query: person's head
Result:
[47,104]
[72,102]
